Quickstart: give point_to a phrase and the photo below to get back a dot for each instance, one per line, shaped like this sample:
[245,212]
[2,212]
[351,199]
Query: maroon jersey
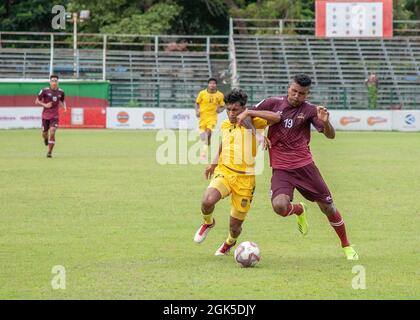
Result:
[49,95]
[291,136]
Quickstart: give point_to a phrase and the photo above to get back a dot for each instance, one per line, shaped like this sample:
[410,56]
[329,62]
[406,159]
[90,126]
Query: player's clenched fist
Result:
[323,113]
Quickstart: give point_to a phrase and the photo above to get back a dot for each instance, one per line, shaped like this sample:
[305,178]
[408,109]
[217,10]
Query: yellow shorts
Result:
[240,187]
[207,123]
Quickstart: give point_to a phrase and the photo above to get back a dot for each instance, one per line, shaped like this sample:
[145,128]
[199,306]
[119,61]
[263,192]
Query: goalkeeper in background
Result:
[208,104]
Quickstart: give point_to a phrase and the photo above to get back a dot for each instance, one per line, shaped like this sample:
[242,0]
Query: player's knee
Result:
[208,202]
[327,209]
[280,207]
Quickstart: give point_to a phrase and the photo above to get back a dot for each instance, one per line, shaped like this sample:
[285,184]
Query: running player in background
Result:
[291,158]
[50,98]
[233,170]
[208,104]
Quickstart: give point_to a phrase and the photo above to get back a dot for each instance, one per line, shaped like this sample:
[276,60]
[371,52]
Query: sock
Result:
[230,240]
[337,222]
[294,208]
[51,144]
[208,218]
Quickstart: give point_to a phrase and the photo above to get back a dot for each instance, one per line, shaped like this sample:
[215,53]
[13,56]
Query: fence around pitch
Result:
[56,46]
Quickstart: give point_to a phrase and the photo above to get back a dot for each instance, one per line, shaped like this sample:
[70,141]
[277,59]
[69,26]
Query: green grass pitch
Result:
[123,225]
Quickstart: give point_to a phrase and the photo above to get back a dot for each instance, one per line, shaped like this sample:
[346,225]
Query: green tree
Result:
[158,19]
[401,12]
[27,15]
[153,17]
[166,16]
[413,6]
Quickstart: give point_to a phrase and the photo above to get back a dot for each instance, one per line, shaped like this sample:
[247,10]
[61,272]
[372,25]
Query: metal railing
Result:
[244,26]
[337,97]
[168,71]
[42,43]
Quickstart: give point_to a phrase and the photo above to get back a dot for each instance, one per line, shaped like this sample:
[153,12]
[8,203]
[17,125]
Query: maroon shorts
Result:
[307,180]
[49,123]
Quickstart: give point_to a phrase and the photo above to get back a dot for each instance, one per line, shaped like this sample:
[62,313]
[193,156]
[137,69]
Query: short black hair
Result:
[303,80]
[236,95]
[53,76]
[212,79]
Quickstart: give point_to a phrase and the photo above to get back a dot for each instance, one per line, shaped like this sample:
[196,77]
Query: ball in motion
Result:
[247,254]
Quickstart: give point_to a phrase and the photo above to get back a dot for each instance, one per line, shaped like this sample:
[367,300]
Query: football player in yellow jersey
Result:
[208,104]
[233,169]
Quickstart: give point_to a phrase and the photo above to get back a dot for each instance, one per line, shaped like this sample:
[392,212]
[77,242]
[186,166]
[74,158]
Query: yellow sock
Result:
[230,240]
[208,218]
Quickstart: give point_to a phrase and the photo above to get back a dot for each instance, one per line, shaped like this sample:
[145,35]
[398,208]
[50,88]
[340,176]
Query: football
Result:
[247,254]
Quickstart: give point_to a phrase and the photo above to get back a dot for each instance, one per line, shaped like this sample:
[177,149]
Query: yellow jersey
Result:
[239,147]
[209,102]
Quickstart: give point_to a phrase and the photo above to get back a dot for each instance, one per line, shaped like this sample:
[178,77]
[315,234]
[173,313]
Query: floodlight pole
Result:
[51,53]
[75,73]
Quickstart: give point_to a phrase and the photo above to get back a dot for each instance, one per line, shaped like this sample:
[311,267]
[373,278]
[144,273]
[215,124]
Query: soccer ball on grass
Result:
[247,254]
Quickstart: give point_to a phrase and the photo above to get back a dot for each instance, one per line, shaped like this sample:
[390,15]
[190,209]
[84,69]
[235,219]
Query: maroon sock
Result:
[294,208]
[51,144]
[337,222]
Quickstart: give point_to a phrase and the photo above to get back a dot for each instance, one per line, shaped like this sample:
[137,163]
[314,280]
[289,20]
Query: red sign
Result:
[92,117]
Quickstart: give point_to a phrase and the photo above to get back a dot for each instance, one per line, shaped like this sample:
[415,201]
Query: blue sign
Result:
[410,119]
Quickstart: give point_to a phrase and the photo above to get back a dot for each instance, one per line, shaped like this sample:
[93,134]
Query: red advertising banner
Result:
[90,117]
[354,18]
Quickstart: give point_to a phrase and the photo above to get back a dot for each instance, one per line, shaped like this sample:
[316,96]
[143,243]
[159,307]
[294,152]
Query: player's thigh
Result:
[201,126]
[242,194]
[312,186]
[45,125]
[54,125]
[240,206]
[210,197]
[221,184]
[211,124]
[282,185]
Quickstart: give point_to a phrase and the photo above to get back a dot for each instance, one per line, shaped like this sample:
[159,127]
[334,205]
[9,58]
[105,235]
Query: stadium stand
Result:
[153,72]
[338,67]
[168,71]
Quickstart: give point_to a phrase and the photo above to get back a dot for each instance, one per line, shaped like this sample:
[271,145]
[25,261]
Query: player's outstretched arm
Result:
[324,116]
[270,116]
[208,172]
